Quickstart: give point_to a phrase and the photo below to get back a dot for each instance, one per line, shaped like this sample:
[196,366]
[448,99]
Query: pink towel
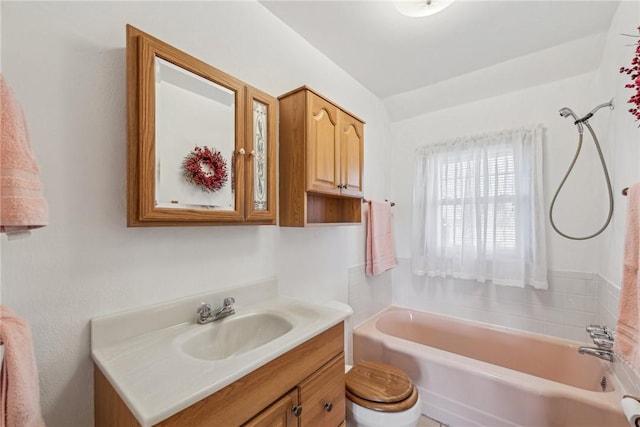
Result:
[19,391]
[627,342]
[22,204]
[380,254]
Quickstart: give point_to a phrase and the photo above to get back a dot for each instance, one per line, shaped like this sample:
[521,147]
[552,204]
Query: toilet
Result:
[379,395]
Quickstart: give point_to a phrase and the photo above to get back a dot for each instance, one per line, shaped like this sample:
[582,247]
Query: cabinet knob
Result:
[297,410]
[241,151]
[252,153]
[328,406]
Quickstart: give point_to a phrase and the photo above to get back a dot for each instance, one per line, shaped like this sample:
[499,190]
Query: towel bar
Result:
[367,201]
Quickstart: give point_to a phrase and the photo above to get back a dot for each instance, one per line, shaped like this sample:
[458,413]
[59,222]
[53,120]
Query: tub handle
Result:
[328,406]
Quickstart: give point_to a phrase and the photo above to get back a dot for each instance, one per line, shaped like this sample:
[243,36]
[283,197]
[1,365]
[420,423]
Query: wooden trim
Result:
[132,127]
[292,164]
[307,88]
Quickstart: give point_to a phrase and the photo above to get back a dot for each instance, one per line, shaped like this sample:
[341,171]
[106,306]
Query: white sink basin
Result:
[233,335]
[147,353]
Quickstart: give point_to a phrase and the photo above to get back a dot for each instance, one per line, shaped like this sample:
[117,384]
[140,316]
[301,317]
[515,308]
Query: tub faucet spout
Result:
[602,353]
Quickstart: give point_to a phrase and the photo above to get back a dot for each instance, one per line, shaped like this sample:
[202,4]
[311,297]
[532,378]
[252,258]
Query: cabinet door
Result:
[279,414]
[323,149]
[260,156]
[352,142]
[322,396]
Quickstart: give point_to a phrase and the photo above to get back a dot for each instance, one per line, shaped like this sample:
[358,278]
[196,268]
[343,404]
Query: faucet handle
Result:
[603,342]
[591,328]
[204,310]
[229,301]
[604,333]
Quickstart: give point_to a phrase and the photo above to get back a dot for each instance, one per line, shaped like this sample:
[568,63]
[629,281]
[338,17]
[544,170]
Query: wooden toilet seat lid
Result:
[403,405]
[377,382]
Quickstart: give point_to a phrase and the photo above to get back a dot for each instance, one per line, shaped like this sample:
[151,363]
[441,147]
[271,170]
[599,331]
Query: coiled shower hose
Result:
[606,175]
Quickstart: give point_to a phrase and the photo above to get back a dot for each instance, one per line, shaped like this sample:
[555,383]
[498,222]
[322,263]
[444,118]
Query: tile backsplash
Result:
[563,310]
[367,296]
[609,299]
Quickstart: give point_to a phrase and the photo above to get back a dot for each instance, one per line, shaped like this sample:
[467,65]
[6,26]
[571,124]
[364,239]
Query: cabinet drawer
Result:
[322,396]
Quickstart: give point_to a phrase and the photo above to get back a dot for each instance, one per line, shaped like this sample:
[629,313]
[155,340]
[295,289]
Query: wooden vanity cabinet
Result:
[310,377]
[321,161]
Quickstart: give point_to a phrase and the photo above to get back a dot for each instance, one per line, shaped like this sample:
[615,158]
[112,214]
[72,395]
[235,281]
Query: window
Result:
[478,209]
[496,180]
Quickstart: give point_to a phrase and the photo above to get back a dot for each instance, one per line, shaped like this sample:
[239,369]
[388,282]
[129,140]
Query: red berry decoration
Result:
[213,177]
[634,72]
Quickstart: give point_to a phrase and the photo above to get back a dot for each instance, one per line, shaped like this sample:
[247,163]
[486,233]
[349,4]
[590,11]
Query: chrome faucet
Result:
[602,336]
[603,333]
[605,343]
[205,315]
[602,353]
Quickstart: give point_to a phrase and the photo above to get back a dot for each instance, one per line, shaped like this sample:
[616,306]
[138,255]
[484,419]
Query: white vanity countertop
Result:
[143,359]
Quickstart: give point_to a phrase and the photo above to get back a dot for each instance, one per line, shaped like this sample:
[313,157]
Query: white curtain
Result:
[478,209]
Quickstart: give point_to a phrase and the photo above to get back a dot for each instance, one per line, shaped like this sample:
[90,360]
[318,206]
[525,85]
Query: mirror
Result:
[193,112]
[189,162]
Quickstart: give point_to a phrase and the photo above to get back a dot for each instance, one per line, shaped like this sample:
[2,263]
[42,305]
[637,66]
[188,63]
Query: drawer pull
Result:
[328,406]
[297,410]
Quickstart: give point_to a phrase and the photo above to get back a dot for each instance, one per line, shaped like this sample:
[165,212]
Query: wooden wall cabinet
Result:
[175,103]
[302,388]
[321,161]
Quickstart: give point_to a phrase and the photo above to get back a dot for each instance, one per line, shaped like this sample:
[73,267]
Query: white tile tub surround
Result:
[563,310]
[367,296]
[608,301]
[609,298]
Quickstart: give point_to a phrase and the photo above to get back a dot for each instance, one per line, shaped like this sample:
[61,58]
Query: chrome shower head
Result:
[566,112]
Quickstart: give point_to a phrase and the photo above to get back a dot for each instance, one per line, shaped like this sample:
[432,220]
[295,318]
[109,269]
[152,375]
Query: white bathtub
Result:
[471,374]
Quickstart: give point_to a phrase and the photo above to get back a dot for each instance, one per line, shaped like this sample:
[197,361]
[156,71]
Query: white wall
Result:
[621,133]
[581,207]
[66,63]
[539,104]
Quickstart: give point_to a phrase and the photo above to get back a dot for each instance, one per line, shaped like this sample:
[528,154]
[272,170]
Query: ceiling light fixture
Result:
[420,8]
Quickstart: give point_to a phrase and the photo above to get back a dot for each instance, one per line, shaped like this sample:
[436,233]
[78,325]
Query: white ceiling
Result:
[391,54]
